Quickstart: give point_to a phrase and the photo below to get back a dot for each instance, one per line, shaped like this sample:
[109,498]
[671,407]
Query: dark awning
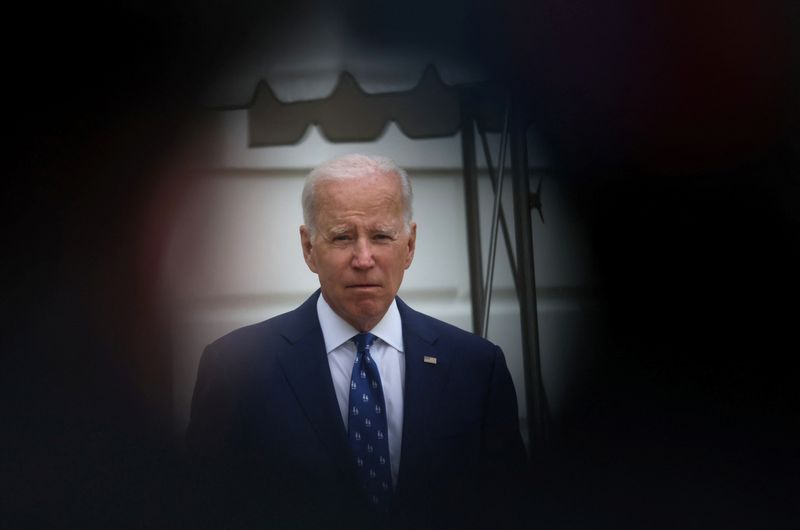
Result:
[350,114]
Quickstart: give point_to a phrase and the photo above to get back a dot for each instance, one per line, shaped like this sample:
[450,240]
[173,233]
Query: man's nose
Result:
[362,254]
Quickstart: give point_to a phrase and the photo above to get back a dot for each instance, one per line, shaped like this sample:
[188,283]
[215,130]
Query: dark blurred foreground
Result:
[675,132]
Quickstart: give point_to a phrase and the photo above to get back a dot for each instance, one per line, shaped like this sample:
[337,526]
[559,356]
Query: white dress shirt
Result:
[386,351]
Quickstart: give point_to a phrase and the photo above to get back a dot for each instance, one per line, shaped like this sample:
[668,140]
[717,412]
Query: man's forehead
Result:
[341,196]
[373,203]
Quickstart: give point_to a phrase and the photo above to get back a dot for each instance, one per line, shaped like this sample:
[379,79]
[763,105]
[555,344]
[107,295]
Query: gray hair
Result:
[353,166]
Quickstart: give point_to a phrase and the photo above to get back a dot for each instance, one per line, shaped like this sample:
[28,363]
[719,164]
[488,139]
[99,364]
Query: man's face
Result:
[360,249]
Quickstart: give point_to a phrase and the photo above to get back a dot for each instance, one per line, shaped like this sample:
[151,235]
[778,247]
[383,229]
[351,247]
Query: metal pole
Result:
[534,391]
[473,215]
[498,195]
[512,261]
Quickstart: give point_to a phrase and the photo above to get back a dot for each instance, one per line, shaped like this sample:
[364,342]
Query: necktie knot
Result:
[363,341]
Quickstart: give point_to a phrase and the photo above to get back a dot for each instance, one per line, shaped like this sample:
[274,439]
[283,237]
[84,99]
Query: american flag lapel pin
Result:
[429,359]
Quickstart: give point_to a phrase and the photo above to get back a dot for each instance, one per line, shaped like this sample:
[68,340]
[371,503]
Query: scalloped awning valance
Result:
[351,114]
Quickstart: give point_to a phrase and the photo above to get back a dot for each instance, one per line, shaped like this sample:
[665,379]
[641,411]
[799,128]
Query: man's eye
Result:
[341,238]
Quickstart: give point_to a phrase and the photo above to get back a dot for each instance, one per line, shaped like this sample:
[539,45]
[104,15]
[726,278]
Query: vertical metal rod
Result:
[534,390]
[469,165]
[498,196]
[512,261]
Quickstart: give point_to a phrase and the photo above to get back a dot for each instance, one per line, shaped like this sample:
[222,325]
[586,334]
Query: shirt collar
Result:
[336,331]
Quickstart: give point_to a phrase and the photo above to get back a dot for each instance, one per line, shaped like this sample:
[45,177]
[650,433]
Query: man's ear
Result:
[308,248]
[412,244]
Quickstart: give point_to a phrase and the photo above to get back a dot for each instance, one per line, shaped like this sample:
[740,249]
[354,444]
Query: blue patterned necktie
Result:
[366,426]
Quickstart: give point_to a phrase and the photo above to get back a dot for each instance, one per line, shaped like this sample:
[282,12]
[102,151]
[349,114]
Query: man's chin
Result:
[367,313]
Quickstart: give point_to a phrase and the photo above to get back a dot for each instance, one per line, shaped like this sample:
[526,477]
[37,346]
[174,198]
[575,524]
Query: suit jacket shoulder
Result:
[240,370]
[269,336]
[431,328]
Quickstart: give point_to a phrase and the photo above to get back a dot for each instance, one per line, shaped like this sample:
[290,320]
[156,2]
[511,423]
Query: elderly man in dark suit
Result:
[354,410]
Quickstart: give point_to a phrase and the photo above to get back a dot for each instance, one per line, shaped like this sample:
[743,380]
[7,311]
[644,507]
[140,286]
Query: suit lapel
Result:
[424,391]
[305,365]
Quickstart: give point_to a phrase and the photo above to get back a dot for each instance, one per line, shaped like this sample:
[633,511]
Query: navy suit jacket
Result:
[267,439]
